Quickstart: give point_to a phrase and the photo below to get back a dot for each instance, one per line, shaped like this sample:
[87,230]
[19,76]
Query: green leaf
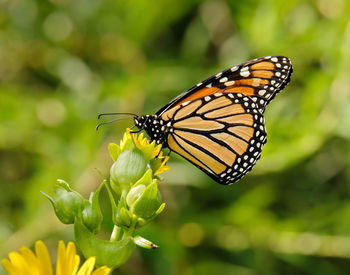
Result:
[110,253]
[113,204]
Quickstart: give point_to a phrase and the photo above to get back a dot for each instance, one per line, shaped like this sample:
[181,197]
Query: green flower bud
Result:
[134,194]
[144,202]
[129,167]
[91,214]
[91,218]
[66,202]
[124,217]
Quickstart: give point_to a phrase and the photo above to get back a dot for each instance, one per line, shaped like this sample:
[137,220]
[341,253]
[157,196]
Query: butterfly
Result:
[218,124]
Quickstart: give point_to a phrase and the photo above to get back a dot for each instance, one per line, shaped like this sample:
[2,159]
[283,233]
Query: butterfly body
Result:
[218,124]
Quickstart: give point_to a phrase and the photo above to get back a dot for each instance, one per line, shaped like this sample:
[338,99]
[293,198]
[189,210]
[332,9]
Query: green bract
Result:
[148,201]
[110,253]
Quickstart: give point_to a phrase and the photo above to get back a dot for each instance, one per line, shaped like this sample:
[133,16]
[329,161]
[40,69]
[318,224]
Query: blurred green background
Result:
[64,61]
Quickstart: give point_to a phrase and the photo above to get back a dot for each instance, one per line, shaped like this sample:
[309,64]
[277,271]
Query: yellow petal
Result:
[43,257]
[67,260]
[87,267]
[30,260]
[103,270]
[72,259]
[9,267]
[126,136]
[60,264]
[18,262]
[156,150]
[39,263]
[163,168]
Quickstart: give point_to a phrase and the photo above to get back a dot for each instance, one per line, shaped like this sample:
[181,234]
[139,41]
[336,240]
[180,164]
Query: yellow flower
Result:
[152,150]
[149,149]
[126,139]
[27,263]
[162,167]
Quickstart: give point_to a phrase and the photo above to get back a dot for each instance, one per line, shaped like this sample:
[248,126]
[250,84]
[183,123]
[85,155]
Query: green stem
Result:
[128,233]
[115,233]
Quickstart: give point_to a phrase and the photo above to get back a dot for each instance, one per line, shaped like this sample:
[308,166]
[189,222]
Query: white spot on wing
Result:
[262,92]
[229,83]
[218,75]
[244,73]
[224,79]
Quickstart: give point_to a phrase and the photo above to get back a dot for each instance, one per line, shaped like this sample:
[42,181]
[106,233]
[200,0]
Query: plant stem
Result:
[131,230]
[115,233]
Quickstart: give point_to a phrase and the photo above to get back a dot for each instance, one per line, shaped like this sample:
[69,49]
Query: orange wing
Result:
[222,134]
[260,79]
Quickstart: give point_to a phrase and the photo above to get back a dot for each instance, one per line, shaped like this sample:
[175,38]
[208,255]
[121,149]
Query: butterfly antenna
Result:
[115,114]
[108,122]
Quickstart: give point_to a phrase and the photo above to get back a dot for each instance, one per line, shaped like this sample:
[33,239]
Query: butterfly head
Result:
[153,126]
[144,122]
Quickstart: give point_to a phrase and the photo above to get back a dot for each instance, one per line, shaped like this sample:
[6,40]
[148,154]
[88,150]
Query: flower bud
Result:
[129,167]
[92,215]
[124,217]
[134,194]
[145,201]
[66,202]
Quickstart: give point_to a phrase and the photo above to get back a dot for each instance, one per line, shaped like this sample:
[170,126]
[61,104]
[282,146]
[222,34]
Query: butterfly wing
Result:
[260,78]
[222,134]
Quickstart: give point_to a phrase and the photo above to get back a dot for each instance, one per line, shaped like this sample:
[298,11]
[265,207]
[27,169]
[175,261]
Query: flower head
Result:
[135,153]
[152,152]
[149,149]
[39,263]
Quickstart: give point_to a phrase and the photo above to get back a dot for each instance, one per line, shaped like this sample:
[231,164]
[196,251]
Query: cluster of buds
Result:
[134,181]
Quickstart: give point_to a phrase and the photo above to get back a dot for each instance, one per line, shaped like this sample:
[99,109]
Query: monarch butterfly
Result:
[218,124]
